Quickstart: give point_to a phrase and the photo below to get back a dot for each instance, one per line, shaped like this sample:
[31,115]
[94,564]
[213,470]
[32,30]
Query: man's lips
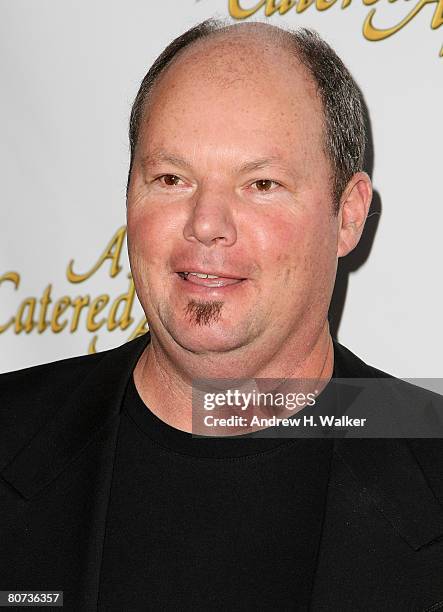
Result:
[210,279]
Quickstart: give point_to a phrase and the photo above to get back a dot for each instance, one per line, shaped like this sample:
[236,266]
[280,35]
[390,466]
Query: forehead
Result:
[230,87]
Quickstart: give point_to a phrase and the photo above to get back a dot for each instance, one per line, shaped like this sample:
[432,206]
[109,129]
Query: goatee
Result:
[204,313]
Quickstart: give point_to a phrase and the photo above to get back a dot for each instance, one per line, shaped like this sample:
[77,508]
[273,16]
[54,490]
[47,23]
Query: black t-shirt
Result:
[210,524]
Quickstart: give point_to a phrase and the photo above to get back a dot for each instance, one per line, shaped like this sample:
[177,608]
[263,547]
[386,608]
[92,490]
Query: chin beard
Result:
[203,313]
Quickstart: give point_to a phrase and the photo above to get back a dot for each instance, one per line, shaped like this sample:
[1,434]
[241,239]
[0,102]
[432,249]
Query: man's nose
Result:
[211,219]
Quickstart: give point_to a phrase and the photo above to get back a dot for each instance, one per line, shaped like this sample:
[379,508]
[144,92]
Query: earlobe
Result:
[354,208]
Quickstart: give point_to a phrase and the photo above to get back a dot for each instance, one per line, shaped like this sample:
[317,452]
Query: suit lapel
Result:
[97,400]
[64,475]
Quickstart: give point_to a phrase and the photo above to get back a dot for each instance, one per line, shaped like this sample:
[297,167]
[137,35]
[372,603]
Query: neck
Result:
[165,384]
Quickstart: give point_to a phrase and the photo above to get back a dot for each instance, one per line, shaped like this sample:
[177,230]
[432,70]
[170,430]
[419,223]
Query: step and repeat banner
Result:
[70,70]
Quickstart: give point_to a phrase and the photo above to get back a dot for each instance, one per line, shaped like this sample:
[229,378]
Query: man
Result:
[245,187]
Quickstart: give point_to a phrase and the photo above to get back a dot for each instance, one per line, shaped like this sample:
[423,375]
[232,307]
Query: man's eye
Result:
[169,179]
[265,185]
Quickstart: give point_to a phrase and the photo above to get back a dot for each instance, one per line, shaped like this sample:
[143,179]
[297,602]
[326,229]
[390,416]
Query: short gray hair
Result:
[345,134]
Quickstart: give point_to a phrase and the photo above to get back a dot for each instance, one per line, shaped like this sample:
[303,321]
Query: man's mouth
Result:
[209,280]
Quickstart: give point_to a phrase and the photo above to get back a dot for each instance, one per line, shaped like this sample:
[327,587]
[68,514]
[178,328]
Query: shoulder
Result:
[348,365]
[50,381]
[29,398]
[395,407]
[32,397]
[43,382]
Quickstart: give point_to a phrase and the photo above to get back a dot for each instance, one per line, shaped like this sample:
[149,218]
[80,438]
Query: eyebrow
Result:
[158,157]
[257,164]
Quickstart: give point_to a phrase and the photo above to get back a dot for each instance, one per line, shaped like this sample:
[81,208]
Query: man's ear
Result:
[354,208]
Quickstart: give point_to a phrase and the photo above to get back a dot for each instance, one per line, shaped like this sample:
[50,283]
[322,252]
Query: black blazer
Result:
[382,539]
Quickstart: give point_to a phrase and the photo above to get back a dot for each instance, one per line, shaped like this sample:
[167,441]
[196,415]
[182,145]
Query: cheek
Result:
[149,233]
[278,240]
[319,262]
[297,245]
[149,239]
[273,233]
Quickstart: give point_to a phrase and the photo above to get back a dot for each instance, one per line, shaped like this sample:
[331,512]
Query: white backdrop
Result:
[69,72]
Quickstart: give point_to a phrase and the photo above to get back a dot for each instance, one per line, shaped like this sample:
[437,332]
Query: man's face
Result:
[230,179]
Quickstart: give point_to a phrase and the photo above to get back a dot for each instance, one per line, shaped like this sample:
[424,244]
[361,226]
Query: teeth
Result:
[200,275]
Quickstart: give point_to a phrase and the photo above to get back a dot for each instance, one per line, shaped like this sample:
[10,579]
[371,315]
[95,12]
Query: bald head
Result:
[232,52]
[262,56]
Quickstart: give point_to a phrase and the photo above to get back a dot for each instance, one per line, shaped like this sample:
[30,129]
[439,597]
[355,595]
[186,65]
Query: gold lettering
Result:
[92,348]
[323,5]
[237,12]
[125,318]
[302,5]
[286,6]
[26,307]
[370,32]
[141,329]
[97,306]
[59,308]
[44,302]
[112,251]
[437,19]
[79,303]
[12,277]
[282,7]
